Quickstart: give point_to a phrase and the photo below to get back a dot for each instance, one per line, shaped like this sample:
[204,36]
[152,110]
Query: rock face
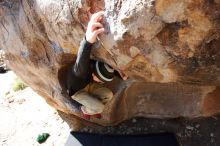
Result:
[168,48]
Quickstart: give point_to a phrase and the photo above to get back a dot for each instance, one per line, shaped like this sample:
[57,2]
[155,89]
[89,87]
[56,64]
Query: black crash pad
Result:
[85,139]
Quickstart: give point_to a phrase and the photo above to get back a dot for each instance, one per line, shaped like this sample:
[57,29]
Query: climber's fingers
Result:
[96,26]
[100,19]
[96,17]
[98,31]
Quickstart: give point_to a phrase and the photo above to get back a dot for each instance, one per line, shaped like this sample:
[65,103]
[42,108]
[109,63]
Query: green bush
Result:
[18,85]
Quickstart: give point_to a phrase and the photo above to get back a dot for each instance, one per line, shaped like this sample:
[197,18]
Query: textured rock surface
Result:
[168,48]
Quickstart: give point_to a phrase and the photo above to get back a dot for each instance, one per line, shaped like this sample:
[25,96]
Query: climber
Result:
[84,75]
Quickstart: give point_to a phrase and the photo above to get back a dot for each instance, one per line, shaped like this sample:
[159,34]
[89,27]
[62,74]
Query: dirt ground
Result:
[25,115]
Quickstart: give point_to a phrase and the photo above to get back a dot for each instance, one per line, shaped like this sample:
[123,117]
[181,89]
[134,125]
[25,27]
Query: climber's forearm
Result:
[81,66]
[79,73]
[95,27]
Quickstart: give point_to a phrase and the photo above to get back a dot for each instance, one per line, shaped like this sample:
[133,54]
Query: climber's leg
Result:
[90,104]
[102,93]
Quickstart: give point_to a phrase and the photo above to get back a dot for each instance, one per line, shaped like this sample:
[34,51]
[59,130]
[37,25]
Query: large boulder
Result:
[168,48]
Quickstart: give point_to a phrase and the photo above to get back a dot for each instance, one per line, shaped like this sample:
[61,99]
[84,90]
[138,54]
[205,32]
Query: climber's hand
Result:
[95,27]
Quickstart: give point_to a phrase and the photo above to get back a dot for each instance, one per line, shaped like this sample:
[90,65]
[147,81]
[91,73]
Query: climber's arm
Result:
[81,66]
[79,74]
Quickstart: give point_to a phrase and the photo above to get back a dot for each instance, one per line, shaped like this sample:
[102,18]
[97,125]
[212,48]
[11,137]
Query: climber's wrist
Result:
[88,42]
[89,39]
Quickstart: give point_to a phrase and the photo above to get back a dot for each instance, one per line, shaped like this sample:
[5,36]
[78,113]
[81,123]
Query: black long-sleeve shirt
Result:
[80,74]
